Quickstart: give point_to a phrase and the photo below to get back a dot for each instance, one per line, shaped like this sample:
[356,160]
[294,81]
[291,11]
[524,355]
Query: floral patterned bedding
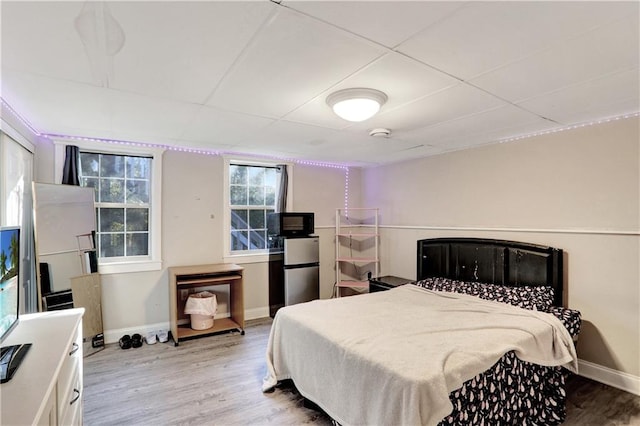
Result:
[512,392]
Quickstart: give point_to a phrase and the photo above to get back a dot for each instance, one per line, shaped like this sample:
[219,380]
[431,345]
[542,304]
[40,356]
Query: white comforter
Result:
[393,357]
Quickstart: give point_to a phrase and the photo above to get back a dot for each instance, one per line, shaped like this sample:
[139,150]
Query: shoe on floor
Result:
[163,336]
[151,338]
[136,341]
[125,342]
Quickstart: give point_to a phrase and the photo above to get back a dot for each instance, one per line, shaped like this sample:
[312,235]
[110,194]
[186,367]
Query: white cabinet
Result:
[357,239]
[47,388]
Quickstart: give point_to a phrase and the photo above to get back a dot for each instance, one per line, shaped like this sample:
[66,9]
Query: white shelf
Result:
[358,234]
[357,259]
[360,223]
[353,284]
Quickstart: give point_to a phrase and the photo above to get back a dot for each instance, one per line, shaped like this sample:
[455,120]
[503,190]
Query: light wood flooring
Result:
[216,381]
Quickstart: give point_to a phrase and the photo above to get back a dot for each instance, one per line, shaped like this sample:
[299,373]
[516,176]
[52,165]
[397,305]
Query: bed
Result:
[481,337]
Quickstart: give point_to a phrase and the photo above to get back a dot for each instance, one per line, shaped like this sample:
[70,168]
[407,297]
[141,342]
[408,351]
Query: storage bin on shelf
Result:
[202,308]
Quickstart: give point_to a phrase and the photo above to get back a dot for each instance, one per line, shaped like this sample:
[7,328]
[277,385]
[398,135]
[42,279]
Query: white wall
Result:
[321,190]
[577,190]
[192,230]
[18,144]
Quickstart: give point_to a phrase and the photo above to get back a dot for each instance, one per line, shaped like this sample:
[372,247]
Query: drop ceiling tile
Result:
[181,50]
[320,144]
[86,110]
[448,104]
[385,22]
[54,106]
[608,96]
[134,116]
[418,151]
[326,156]
[294,137]
[606,50]
[323,144]
[215,127]
[317,113]
[479,128]
[486,35]
[39,37]
[293,59]
[358,144]
[280,61]
[409,81]
[362,150]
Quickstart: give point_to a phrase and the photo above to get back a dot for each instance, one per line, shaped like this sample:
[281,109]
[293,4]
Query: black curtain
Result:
[71,166]
[281,205]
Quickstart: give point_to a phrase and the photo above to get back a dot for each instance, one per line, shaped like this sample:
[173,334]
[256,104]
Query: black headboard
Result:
[509,263]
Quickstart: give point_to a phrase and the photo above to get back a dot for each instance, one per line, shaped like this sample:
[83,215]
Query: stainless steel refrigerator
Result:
[294,271]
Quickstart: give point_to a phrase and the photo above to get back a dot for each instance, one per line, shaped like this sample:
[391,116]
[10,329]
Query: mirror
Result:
[64,228]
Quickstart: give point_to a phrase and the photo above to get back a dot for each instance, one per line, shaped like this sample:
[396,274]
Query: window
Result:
[127,182]
[16,175]
[122,185]
[252,195]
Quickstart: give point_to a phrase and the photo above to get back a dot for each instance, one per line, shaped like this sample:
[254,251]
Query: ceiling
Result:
[253,77]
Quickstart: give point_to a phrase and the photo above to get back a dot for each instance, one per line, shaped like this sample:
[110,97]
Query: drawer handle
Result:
[75,348]
[77,392]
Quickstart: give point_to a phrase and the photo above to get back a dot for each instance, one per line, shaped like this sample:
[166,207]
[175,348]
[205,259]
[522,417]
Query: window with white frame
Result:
[129,186]
[122,186]
[252,195]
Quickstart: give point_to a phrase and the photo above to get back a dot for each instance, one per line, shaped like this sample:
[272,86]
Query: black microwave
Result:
[290,224]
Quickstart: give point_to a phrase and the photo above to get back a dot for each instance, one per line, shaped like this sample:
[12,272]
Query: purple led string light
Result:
[208,152]
[571,127]
[310,163]
[163,146]
[290,160]
[303,162]
[346,192]
[136,144]
[180,149]
[19,117]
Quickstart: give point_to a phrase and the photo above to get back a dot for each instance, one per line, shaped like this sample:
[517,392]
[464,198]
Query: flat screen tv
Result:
[10,356]
[9,274]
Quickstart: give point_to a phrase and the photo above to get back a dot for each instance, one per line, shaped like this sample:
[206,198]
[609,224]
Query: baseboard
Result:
[113,336]
[255,313]
[608,376]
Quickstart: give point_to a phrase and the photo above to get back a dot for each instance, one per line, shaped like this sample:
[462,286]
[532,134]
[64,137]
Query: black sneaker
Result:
[136,340]
[125,342]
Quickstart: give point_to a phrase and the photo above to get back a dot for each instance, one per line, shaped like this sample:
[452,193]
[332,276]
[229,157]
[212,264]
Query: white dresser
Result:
[47,388]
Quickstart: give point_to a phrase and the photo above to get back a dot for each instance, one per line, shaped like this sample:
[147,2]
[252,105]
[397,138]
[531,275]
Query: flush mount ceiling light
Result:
[356,104]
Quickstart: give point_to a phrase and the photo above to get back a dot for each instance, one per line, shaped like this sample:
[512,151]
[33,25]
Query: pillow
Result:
[538,298]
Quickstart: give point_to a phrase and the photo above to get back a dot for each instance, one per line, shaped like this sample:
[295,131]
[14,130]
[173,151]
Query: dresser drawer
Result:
[70,367]
[70,402]
[69,377]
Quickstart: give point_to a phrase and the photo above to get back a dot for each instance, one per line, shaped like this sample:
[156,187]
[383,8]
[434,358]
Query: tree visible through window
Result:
[252,195]
[123,187]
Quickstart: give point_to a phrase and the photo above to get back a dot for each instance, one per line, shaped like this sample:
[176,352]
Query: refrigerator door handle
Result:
[301,265]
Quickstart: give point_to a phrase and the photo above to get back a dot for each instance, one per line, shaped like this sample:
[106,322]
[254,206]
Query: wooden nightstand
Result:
[387,282]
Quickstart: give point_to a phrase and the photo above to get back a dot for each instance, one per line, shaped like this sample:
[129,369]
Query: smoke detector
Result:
[380,132]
